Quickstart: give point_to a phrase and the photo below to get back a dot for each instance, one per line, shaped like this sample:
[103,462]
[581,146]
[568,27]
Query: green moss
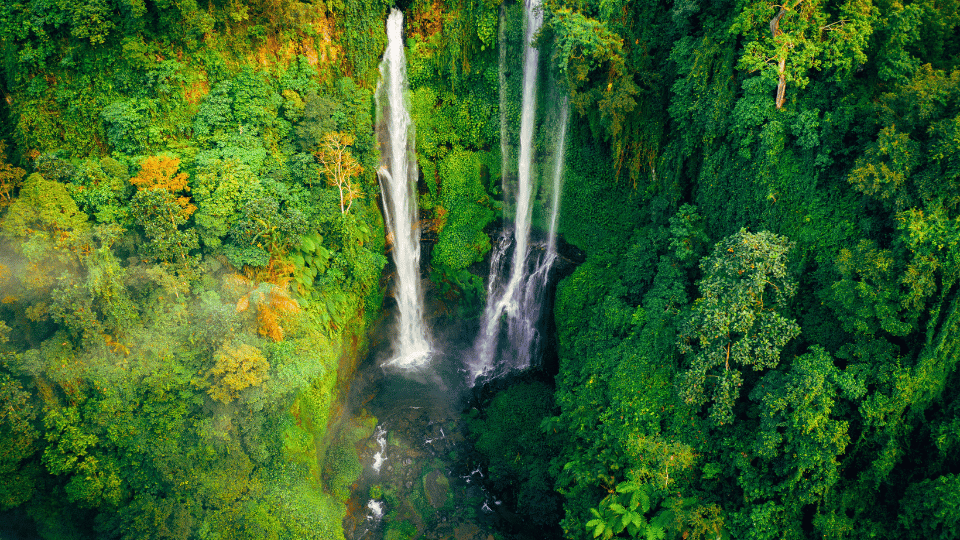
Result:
[297,442]
[341,469]
[310,513]
[403,530]
[341,466]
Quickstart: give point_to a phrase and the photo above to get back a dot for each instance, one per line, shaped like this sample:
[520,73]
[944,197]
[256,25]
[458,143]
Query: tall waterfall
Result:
[398,179]
[516,303]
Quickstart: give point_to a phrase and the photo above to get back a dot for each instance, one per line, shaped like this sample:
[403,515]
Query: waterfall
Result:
[398,179]
[516,303]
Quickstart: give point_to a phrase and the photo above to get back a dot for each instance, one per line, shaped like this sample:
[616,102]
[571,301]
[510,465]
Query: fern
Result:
[271,298]
[624,510]
[656,533]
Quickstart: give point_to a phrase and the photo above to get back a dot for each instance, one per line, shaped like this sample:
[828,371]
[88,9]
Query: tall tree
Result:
[735,321]
[339,167]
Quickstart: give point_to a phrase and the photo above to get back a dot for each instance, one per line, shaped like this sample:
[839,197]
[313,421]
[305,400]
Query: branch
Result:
[827,28]
[775,22]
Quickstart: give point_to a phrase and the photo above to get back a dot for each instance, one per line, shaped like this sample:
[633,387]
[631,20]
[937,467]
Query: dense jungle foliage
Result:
[184,289]
[762,342]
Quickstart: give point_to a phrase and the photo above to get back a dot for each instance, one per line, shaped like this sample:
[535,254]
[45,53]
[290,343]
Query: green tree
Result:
[94,476]
[793,457]
[10,177]
[784,42]
[929,508]
[735,321]
[44,212]
[227,179]
[19,441]
[161,216]
[262,231]
[47,229]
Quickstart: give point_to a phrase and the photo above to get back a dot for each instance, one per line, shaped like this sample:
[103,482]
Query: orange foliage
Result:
[277,272]
[46,392]
[267,289]
[268,313]
[437,225]
[340,167]
[160,172]
[429,21]
[116,346]
[196,92]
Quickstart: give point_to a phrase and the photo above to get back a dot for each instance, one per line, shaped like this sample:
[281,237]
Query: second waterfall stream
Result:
[519,271]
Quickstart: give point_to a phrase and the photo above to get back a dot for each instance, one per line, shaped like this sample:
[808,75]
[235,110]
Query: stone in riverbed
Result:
[436,486]
[467,531]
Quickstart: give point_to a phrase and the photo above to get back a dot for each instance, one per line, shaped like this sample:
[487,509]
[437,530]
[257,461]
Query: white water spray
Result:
[561,146]
[398,179]
[376,510]
[381,456]
[531,60]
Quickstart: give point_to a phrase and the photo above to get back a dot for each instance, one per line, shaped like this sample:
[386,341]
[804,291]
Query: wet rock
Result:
[436,486]
[467,531]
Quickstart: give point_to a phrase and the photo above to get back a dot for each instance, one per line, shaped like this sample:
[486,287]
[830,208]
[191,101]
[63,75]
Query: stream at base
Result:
[417,479]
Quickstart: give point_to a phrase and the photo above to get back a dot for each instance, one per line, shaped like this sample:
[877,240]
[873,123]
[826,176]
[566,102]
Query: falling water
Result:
[531,58]
[517,303]
[381,456]
[561,146]
[376,510]
[398,178]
